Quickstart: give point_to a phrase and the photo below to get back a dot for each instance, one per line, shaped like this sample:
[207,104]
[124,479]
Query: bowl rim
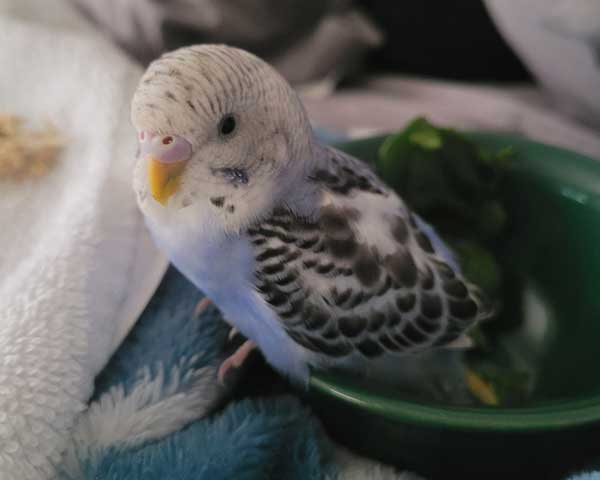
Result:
[548,415]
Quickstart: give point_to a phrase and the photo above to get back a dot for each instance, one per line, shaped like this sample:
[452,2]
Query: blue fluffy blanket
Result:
[246,437]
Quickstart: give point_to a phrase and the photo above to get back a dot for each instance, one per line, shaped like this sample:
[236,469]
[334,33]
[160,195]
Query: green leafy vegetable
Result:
[445,177]
[510,382]
[479,265]
[454,185]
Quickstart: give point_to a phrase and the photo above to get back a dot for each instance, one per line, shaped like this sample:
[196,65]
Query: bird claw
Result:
[201,306]
[232,333]
[235,360]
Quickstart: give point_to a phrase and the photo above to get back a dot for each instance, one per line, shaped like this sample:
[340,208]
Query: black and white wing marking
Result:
[362,276]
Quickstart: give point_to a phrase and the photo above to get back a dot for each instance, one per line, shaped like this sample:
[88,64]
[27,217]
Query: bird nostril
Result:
[167,140]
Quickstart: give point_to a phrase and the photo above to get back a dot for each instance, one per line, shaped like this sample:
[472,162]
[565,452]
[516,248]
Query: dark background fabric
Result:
[309,40]
[455,40]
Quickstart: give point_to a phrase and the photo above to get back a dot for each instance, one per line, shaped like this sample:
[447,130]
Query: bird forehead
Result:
[206,69]
[208,58]
[191,88]
[153,111]
[196,85]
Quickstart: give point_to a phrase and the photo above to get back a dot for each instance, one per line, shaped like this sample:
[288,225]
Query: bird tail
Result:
[488,309]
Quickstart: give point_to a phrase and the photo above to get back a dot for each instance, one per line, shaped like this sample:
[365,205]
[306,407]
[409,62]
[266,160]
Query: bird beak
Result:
[164,178]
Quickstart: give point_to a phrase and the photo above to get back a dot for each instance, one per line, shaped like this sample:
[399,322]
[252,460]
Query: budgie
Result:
[304,249]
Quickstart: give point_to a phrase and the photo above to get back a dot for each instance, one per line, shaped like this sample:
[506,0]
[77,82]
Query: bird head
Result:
[219,132]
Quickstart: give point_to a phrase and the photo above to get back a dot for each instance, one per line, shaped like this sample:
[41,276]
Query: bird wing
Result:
[364,275]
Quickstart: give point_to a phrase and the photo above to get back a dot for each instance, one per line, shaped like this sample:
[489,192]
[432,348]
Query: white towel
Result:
[76,263]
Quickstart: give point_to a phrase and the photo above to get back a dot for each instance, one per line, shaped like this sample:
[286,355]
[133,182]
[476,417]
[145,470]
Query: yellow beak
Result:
[164,178]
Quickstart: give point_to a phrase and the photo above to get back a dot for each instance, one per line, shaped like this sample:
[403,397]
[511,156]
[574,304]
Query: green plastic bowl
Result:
[552,252]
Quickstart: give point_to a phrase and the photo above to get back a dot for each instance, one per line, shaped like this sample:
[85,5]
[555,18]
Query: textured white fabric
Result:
[76,264]
[387,103]
[306,41]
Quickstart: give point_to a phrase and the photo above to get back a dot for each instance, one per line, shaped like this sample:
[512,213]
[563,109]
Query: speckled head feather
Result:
[189,93]
[189,87]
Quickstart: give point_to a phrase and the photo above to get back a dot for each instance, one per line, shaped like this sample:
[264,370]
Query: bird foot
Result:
[201,306]
[232,333]
[236,359]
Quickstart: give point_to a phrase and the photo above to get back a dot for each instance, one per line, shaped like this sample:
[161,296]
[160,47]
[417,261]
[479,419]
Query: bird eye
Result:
[227,125]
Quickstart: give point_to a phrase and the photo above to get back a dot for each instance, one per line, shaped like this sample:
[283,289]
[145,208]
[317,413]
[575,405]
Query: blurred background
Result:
[324,45]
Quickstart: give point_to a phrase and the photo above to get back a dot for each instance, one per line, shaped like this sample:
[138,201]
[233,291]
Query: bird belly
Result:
[223,270]
[248,312]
